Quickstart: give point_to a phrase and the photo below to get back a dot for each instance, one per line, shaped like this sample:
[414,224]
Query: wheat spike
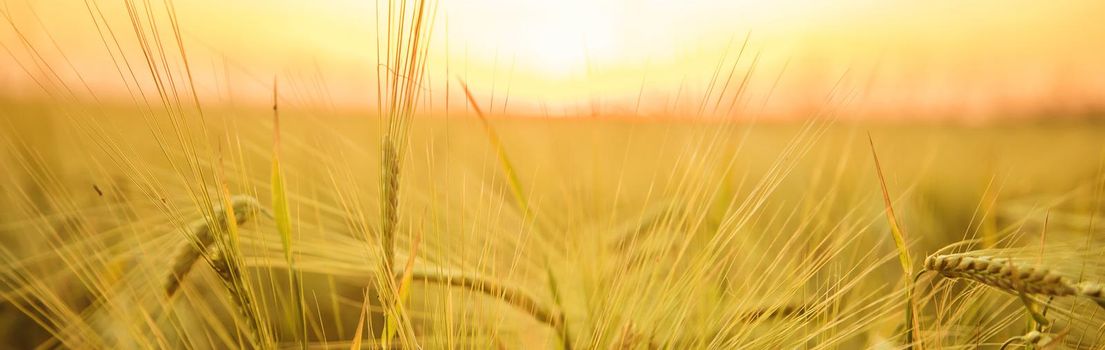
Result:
[204,244]
[390,207]
[1002,273]
[1036,340]
[244,206]
[1093,291]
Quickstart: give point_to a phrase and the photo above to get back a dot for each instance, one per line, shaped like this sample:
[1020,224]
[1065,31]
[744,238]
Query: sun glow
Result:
[556,53]
[649,55]
[562,41]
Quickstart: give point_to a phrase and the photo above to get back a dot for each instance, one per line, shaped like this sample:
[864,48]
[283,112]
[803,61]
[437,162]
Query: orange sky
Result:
[893,59]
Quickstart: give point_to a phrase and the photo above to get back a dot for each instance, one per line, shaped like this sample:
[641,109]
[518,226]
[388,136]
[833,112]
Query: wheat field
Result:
[718,236]
[171,222]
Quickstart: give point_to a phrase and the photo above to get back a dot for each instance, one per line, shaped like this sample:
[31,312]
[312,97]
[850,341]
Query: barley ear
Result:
[390,201]
[203,240]
[1093,291]
[1002,273]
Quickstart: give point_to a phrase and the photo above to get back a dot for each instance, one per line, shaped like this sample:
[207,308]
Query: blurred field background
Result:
[615,190]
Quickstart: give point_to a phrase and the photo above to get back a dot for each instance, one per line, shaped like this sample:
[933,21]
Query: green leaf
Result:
[283,217]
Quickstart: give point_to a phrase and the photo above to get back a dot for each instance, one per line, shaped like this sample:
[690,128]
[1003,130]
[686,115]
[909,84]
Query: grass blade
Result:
[891,218]
[359,333]
[282,214]
[392,326]
[504,160]
[912,326]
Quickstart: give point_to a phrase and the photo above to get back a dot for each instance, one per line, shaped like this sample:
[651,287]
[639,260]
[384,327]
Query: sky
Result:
[789,59]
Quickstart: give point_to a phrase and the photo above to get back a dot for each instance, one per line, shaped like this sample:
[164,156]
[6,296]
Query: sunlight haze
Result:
[576,57]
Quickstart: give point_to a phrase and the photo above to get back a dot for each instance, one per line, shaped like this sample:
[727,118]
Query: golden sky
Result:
[887,59]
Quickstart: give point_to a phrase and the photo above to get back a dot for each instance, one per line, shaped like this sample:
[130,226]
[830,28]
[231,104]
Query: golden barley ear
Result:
[214,239]
[245,208]
[1002,273]
[1093,291]
[1014,278]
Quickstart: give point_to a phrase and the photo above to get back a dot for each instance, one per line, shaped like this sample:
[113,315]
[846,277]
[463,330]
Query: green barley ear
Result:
[399,86]
[283,218]
[389,208]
